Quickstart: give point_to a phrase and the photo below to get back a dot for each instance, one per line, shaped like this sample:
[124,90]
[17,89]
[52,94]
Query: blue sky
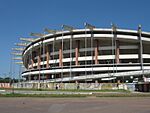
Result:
[18,18]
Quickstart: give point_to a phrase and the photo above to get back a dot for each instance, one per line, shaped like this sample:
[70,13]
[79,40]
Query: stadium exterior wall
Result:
[92,55]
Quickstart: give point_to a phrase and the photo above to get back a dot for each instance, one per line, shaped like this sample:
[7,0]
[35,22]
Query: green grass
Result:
[78,95]
[43,95]
[71,90]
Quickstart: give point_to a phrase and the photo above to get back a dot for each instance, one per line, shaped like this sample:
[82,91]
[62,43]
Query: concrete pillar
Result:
[39,59]
[77,52]
[47,56]
[118,81]
[117,52]
[28,66]
[76,82]
[32,62]
[96,81]
[96,52]
[60,56]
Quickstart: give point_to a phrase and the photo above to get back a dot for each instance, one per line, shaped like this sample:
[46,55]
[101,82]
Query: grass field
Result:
[70,90]
[42,95]
[93,94]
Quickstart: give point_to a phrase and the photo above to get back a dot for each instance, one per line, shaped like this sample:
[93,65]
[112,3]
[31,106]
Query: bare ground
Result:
[75,105]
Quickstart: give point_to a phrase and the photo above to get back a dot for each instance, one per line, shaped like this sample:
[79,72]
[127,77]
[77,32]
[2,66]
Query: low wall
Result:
[5,85]
[85,86]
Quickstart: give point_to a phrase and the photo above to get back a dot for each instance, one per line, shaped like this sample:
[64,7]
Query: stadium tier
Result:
[90,54]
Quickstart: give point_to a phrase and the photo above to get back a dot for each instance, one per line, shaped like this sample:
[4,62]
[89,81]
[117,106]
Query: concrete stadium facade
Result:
[92,55]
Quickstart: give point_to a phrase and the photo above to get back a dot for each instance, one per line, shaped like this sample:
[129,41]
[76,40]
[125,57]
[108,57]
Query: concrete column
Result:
[76,82]
[60,56]
[32,62]
[39,59]
[118,81]
[47,56]
[77,52]
[28,66]
[117,52]
[96,81]
[96,52]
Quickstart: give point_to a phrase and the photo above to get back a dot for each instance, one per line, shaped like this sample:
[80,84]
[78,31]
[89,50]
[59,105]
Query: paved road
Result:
[75,105]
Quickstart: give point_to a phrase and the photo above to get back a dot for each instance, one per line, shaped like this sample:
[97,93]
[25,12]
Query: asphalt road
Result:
[75,105]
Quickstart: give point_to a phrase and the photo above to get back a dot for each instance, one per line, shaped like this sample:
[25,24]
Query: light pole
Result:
[141,49]
[108,68]
[70,29]
[91,28]
[10,70]
[52,32]
[43,78]
[113,44]
[39,55]
[13,70]
[53,80]
[44,56]
[85,53]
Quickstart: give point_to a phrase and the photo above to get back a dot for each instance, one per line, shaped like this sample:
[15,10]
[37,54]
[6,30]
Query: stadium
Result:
[90,54]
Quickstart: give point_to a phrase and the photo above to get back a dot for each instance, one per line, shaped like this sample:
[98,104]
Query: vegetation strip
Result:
[78,95]
[70,90]
[41,95]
